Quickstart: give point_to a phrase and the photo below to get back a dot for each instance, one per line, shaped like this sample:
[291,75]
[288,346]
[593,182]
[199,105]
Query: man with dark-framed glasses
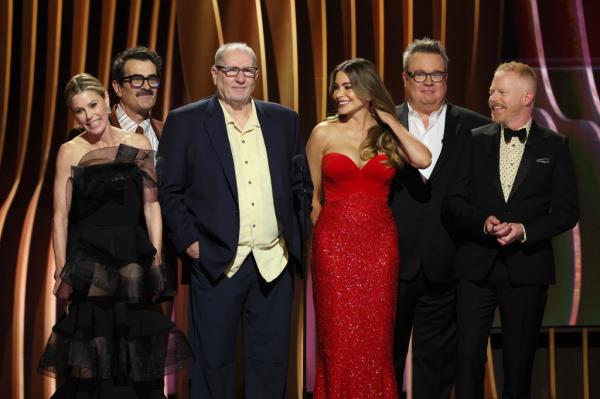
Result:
[426,290]
[135,77]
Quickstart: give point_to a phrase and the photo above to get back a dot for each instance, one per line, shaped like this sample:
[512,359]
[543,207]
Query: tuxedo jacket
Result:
[425,240]
[543,199]
[197,182]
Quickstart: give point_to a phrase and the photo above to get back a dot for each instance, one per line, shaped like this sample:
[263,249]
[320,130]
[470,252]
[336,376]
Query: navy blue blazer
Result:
[197,182]
[543,198]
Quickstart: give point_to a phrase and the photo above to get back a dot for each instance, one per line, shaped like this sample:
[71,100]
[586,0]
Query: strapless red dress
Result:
[355,267]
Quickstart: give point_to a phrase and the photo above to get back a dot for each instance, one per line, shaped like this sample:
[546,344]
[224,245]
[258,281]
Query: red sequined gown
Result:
[355,274]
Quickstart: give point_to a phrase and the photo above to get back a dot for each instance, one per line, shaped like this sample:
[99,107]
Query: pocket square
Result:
[543,160]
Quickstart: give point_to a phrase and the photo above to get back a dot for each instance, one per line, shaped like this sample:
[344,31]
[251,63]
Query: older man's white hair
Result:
[235,46]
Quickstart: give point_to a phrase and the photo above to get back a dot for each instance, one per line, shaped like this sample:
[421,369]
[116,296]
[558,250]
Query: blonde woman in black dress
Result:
[107,232]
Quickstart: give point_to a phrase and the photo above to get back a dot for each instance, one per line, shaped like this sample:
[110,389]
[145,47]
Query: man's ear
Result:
[107,101]
[405,77]
[117,88]
[528,98]
[213,73]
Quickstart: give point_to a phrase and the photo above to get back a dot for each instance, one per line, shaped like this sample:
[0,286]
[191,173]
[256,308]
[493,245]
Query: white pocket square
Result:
[543,160]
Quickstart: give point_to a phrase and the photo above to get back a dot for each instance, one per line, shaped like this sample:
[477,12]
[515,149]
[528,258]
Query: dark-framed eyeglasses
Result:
[421,76]
[232,71]
[137,81]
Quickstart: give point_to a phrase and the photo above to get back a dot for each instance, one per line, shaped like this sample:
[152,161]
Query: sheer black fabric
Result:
[113,328]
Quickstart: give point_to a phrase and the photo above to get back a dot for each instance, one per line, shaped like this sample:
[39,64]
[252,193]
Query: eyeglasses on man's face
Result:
[421,76]
[232,71]
[137,81]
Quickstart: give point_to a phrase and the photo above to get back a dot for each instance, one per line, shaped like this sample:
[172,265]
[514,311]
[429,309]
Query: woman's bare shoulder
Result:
[71,151]
[136,140]
[326,128]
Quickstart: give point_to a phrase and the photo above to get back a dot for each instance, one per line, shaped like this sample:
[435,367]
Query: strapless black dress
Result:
[113,328]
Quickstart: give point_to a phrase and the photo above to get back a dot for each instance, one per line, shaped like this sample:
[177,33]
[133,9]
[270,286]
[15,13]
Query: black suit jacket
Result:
[543,198]
[425,241]
[198,192]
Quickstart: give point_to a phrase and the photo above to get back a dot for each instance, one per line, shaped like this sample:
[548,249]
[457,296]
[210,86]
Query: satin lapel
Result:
[402,114]
[494,159]
[451,126]
[532,148]
[271,137]
[217,133]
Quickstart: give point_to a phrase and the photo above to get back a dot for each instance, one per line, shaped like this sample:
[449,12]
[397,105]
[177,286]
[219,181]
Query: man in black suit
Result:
[514,192]
[426,290]
[229,199]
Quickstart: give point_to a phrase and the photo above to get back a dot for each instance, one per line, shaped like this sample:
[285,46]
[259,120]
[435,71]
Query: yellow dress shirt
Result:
[511,154]
[510,158]
[259,231]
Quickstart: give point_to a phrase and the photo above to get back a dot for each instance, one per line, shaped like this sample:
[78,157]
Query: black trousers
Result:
[427,309]
[215,311]
[521,310]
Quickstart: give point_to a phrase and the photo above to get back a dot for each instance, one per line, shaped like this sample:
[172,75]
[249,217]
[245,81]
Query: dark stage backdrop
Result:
[562,40]
[44,42]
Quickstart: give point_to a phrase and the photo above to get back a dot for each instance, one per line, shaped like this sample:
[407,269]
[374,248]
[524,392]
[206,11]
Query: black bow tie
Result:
[509,134]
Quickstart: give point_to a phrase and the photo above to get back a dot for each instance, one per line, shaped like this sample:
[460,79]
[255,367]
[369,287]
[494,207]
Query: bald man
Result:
[515,191]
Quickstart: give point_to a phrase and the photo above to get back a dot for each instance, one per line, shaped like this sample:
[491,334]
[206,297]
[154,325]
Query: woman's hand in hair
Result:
[384,116]
[411,149]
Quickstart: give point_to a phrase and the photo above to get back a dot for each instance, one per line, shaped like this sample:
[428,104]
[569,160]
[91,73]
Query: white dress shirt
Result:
[431,136]
[130,125]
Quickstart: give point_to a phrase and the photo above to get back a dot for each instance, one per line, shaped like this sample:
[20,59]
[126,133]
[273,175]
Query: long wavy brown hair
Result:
[368,86]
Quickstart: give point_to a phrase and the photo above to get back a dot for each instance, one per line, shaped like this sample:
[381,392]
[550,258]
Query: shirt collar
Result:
[432,117]
[252,120]
[129,124]
[526,126]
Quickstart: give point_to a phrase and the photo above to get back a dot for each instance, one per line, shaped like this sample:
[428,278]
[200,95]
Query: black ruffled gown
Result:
[113,330]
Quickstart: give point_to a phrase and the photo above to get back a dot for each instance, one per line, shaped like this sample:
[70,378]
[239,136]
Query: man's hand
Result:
[505,233]
[515,233]
[494,227]
[193,251]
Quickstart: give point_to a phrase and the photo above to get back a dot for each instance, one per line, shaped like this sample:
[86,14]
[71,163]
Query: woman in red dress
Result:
[353,158]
